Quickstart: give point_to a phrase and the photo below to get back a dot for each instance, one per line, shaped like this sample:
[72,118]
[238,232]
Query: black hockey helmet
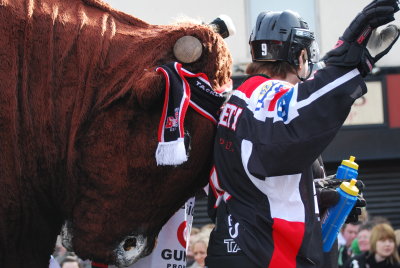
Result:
[280,36]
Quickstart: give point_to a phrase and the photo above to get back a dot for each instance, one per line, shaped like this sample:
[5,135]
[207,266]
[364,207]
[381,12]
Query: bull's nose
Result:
[130,243]
[130,250]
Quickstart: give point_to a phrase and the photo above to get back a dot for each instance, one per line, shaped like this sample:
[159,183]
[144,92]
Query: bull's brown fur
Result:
[79,110]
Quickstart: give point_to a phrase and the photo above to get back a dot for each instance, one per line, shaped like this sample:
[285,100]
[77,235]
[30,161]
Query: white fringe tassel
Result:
[171,153]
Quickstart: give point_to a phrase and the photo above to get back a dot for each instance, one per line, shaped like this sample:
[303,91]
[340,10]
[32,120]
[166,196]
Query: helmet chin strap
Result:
[310,67]
[302,79]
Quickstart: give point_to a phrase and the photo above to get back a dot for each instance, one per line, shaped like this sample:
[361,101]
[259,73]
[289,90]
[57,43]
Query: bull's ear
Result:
[148,90]
[188,49]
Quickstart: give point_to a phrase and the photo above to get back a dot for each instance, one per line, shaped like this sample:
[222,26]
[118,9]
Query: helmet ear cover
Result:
[300,39]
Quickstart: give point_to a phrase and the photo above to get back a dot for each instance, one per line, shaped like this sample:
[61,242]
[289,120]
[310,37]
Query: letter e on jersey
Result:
[230,115]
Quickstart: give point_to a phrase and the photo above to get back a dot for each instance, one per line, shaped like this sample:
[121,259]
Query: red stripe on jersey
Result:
[272,104]
[251,84]
[287,237]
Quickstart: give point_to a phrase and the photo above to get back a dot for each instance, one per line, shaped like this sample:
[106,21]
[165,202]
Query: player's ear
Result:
[302,58]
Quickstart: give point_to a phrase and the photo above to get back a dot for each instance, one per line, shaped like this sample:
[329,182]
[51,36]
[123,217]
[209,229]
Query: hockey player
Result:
[272,129]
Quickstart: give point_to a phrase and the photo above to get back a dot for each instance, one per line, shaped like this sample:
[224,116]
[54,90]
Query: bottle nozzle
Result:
[350,163]
[350,188]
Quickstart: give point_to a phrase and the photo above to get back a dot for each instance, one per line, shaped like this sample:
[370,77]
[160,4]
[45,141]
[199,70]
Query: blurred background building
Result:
[372,130]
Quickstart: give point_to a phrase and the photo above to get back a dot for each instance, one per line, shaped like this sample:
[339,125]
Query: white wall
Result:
[329,21]
[306,9]
[165,11]
[335,16]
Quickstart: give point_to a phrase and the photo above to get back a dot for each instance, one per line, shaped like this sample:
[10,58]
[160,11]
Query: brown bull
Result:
[80,104]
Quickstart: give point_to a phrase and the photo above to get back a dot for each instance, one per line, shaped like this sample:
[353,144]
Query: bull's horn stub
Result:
[224,26]
[188,49]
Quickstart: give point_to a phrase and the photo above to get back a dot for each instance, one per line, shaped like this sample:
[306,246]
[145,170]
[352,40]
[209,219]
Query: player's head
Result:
[283,37]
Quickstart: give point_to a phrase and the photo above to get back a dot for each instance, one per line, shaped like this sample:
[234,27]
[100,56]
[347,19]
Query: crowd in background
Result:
[197,251]
[61,258]
[371,242]
[198,244]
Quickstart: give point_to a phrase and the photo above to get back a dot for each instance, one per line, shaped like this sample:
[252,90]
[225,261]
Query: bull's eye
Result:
[129,243]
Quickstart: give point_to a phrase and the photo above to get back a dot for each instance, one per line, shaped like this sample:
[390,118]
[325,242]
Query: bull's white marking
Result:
[126,258]
[66,237]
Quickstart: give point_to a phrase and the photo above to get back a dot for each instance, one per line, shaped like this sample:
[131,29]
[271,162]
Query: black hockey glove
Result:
[327,196]
[352,48]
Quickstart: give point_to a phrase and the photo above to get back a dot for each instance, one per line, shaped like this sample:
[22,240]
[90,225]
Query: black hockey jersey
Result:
[268,136]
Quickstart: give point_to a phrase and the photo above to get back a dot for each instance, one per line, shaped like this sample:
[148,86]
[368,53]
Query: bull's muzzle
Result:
[130,250]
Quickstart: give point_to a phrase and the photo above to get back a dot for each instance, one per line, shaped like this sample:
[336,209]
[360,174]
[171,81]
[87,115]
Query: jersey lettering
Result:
[231,246]
[230,115]
[233,228]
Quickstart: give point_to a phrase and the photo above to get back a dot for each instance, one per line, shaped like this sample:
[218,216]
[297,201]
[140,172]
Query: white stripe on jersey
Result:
[261,112]
[282,191]
[325,89]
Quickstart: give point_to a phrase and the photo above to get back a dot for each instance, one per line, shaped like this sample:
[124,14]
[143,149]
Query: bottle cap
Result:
[350,187]
[350,163]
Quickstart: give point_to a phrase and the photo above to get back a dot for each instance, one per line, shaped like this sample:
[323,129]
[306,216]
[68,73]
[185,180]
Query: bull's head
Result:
[123,197]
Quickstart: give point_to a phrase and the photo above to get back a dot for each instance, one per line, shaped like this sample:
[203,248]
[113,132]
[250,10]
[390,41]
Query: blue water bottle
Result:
[335,216]
[348,169]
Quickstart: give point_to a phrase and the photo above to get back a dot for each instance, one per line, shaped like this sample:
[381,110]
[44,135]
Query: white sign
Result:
[368,109]
[173,241]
